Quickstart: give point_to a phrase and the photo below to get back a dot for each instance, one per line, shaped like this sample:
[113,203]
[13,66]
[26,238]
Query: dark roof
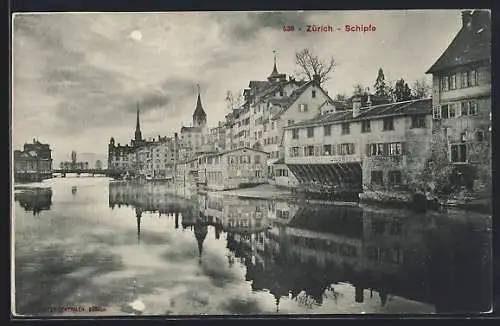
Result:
[421,106]
[190,129]
[237,149]
[280,161]
[471,44]
[198,111]
[258,84]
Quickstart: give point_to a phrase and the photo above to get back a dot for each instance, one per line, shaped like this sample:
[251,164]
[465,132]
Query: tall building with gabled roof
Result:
[462,104]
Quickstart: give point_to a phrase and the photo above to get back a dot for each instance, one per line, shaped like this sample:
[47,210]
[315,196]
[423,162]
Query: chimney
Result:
[356,106]
[466,19]
[316,79]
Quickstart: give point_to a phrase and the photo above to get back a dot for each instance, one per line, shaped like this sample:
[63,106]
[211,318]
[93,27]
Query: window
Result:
[310,132]
[272,125]
[309,150]
[303,107]
[372,149]
[453,81]
[394,148]
[444,83]
[327,130]
[346,149]
[257,159]
[436,112]
[389,123]
[295,152]
[327,150]
[377,178]
[295,133]
[473,77]
[418,121]
[313,93]
[472,108]
[394,177]
[345,128]
[459,153]
[365,126]
[290,122]
[281,93]
[463,137]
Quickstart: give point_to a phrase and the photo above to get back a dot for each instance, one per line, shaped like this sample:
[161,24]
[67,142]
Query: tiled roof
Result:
[471,44]
[421,106]
[258,84]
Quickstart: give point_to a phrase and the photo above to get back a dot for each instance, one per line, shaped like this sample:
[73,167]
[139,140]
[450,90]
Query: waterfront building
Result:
[98,165]
[33,163]
[462,104]
[372,147]
[152,157]
[232,168]
[269,106]
[73,164]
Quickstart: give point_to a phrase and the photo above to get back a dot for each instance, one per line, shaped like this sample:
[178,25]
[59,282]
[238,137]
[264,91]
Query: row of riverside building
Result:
[291,133]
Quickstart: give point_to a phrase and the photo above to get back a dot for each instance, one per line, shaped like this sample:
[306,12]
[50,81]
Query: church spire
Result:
[138,134]
[199,115]
[275,75]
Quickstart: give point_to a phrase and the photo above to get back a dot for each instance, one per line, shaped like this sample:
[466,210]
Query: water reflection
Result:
[34,199]
[306,252]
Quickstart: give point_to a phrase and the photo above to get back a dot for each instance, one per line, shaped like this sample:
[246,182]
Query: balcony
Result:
[325,159]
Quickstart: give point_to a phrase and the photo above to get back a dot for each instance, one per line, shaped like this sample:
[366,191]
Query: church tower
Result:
[138,134]
[199,115]
[275,76]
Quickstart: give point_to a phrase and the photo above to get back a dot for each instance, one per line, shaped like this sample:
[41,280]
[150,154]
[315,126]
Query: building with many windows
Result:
[33,163]
[154,158]
[233,168]
[372,147]
[462,103]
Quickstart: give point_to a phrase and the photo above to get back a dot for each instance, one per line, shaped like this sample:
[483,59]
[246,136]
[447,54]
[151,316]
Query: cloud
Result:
[77,78]
[135,35]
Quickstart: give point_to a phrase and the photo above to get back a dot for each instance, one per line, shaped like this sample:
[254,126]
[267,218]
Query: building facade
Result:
[233,168]
[155,158]
[380,147]
[462,105]
[33,163]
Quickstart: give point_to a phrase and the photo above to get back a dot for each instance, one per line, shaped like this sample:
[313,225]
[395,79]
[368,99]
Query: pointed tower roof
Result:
[138,134]
[275,74]
[198,111]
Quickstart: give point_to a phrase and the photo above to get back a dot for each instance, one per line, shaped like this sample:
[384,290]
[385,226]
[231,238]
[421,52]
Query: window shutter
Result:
[332,149]
[352,148]
[367,149]
[403,148]
[386,148]
[339,149]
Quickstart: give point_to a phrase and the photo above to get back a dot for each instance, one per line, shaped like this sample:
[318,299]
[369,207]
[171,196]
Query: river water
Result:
[91,246]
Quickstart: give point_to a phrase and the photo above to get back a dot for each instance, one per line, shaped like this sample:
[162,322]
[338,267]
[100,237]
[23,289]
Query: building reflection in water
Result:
[34,199]
[304,252]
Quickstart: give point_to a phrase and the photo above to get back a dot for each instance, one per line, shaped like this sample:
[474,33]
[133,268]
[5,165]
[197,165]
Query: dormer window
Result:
[303,107]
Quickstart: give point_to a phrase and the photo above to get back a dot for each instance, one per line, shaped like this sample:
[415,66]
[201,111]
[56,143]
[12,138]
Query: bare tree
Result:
[233,100]
[420,89]
[358,89]
[310,64]
[341,97]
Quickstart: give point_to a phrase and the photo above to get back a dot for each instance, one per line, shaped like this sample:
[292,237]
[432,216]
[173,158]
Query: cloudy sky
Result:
[77,78]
